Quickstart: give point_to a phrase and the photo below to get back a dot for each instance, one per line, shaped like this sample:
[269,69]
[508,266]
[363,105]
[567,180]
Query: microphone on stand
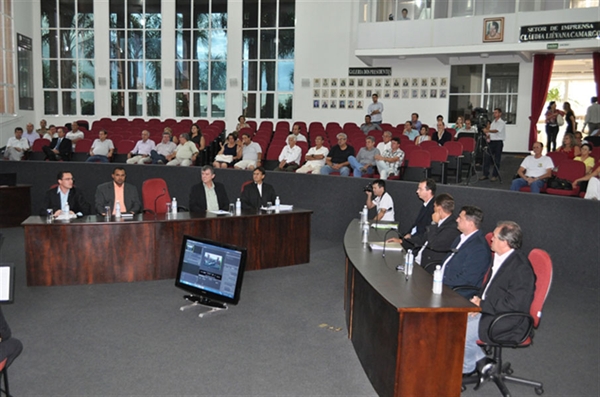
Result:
[156,200]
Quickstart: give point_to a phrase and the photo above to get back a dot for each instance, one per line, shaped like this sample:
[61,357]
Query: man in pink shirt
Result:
[107,194]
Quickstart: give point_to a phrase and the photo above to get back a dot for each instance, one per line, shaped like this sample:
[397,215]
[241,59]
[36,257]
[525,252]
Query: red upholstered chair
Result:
[82,150]
[5,376]
[122,148]
[439,161]
[155,195]
[418,166]
[500,372]
[455,158]
[569,170]
[245,184]
[426,144]
[36,150]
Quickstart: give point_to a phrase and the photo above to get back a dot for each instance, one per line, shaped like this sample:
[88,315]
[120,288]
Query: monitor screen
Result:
[211,269]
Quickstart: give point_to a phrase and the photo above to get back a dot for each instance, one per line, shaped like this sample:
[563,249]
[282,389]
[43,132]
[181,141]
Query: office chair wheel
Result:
[509,371]
[539,391]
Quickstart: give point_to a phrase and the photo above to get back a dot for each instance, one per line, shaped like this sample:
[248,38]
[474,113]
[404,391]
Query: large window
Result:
[135,57]
[68,57]
[484,86]
[7,59]
[268,58]
[201,58]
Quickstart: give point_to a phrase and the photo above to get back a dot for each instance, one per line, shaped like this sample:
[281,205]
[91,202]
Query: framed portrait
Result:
[350,93]
[405,82]
[333,92]
[443,93]
[342,93]
[342,82]
[360,82]
[324,105]
[386,93]
[316,104]
[424,82]
[342,104]
[405,93]
[415,82]
[317,93]
[324,93]
[351,82]
[316,83]
[423,93]
[350,104]
[396,94]
[369,82]
[359,93]
[359,105]
[368,93]
[377,82]
[333,104]
[433,93]
[334,82]
[493,30]
[396,82]
[414,93]
[325,82]
[387,82]
[443,82]
[433,82]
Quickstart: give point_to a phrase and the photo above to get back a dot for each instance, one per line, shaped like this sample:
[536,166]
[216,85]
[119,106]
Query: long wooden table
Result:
[91,250]
[409,340]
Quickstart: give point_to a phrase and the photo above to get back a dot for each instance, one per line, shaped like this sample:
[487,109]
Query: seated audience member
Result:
[109,193]
[57,198]
[30,134]
[466,129]
[578,138]
[439,117]
[386,142]
[75,135]
[51,133]
[593,188]
[197,137]
[296,131]
[164,149]
[142,149]
[585,156]
[257,194]
[364,161]
[241,124]
[425,191]
[251,154]
[16,146]
[534,170]
[185,154]
[423,135]
[10,347]
[383,201]
[102,149]
[409,131]
[441,136]
[229,153]
[569,146]
[459,123]
[290,156]
[315,158]
[337,159]
[510,288]
[390,161]
[208,195]
[43,129]
[368,126]
[416,123]
[60,148]
[470,259]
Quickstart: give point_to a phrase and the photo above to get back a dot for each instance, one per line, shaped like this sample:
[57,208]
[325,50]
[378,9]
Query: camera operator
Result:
[496,133]
[383,201]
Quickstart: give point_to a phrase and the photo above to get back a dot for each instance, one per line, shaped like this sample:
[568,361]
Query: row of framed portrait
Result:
[352,82]
[404,93]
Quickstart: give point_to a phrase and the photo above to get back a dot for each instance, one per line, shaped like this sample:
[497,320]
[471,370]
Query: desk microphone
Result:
[156,200]
[377,221]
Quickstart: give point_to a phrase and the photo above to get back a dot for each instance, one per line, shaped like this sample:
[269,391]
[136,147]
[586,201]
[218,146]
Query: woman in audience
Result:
[593,188]
[241,124]
[569,147]
[423,134]
[578,138]
[229,153]
[569,118]
[589,161]
[552,125]
[459,123]
[197,137]
[441,136]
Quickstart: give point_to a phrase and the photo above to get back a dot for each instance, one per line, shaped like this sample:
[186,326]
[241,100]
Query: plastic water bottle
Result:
[174,205]
[365,215]
[67,210]
[365,233]
[277,205]
[410,260]
[238,207]
[117,210]
[437,280]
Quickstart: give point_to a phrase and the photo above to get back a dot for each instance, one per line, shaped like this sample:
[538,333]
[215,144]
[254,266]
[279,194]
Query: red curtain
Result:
[596,57]
[542,71]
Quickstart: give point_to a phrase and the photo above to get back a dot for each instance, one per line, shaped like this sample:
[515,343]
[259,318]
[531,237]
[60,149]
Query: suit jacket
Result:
[198,197]
[105,195]
[469,265]
[65,149]
[77,203]
[252,200]
[511,290]
[439,242]
[423,220]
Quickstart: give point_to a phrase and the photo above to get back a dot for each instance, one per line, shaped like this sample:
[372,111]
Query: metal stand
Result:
[482,146]
[204,302]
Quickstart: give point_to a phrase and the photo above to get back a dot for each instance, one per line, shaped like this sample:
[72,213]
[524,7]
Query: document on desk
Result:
[282,207]
[379,225]
[220,212]
[378,246]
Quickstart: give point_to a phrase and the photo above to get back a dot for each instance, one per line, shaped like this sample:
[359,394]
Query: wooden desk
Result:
[90,250]
[409,341]
[15,205]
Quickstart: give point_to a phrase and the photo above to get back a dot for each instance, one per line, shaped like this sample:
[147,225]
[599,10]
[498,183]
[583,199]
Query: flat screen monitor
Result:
[211,271]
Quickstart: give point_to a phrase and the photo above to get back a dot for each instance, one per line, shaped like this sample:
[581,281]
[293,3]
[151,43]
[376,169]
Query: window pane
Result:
[250,44]
[508,104]
[219,14]
[87,103]
[153,21]
[502,78]
[50,44]
[117,103]
[462,8]
[495,7]
[466,78]
[218,44]
[135,75]
[287,13]
[68,43]
[218,76]
[68,75]
[249,75]
[117,44]
[153,103]
[182,104]
[267,106]
[48,14]
[267,76]
[153,75]
[153,44]
[86,74]
[200,104]
[86,44]
[50,71]
[182,14]
[182,75]
[69,103]
[85,14]
[135,104]
[285,106]
[268,13]
[285,80]
[250,14]
[463,105]
[201,44]
[135,44]
[117,14]
[201,14]
[218,105]
[201,76]
[117,75]
[182,45]
[50,102]
[249,105]
[286,44]
[267,44]
[66,15]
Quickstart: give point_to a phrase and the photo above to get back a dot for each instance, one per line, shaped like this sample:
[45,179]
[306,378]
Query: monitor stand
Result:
[203,301]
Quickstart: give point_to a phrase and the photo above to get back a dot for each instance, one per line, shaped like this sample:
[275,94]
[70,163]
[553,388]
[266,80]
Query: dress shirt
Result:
[259,187]
[212,204]
[120,197]
[144,148]
[22,143]
[498,261]
[300,138]
[499,125]
[377,117]
[166,148]
[31,137]
[592,114]
[291,154]
[384,146]
[64,197]
[463,238]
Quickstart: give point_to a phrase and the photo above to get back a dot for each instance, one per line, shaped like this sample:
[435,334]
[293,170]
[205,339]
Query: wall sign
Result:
[560,31]
[370,71]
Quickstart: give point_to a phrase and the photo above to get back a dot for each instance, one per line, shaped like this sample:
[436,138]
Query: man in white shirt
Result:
[315,158]
[51,133]
[386,143]
[289,158]
[16,146]
[468,128]
[534,170]
[102,149]
[375,110]
[75,135]
[141,152]
[251,154]
[592,116]
[496,134]
[296,132]
[186,152]
[30,134]
[383,201]
[164,149]
[389,162]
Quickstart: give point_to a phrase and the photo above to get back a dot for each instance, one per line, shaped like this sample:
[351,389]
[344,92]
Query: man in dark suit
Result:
[60,148]
[426,192]
[208,195]
[257,194]
[56,198]
[509,288]
[107,194]
[470,259]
